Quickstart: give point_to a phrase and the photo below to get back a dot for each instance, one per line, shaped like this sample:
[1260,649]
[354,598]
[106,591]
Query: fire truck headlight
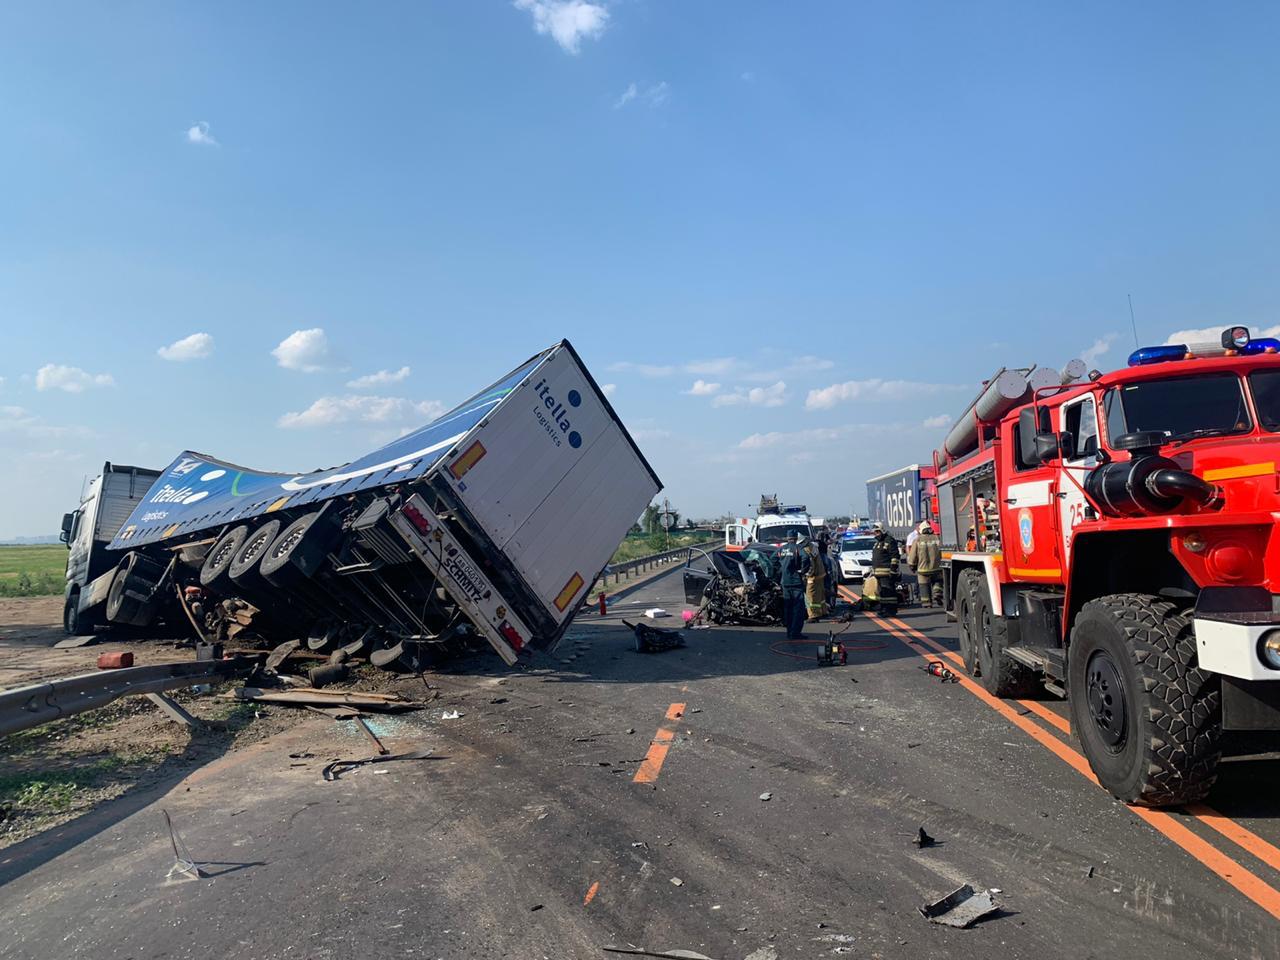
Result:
[1193,542]
[1269,649]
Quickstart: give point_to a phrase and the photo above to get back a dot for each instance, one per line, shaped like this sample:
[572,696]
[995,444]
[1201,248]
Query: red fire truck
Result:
[1115,539]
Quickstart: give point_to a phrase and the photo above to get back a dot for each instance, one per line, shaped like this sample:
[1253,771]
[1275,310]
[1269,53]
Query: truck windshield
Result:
[1180,407]
[1266,397]
[777,532]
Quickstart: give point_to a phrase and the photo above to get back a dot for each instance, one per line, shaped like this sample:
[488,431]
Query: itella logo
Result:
[557,414]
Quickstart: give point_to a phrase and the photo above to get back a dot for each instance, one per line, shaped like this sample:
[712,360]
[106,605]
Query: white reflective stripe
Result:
[1034,493]
[365,471]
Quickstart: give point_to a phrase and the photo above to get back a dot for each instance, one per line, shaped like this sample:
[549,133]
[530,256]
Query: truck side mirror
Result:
[68,519]
[1067,445]
[1046,446]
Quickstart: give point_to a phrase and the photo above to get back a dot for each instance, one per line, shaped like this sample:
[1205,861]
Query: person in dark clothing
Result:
[793,567]
[885,559]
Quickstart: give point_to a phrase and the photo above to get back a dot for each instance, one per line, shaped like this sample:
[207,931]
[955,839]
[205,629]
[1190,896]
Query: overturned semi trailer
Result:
[495,518]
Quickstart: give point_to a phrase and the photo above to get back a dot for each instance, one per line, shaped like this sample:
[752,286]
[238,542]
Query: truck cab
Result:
[106,504]
[1115,541]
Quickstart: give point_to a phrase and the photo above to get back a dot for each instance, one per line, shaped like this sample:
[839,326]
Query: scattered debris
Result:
[764,953]
[960,908]
[535,908]
[334,771]
[304,696]
[70,643]
[655,639]
[766,796]
[280,654]
[451,715]
[679,954]
[183,862]
[923,839]
[1088,873]
[677,882]
[914,743]
[326,674]
[654,613]
[377,744]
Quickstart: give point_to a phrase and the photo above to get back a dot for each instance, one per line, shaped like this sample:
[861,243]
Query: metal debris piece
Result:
[334,771]
[960,908]
[655,639]
[450,715]
[641,952]
[183,862]
[922,839]
[677,882]
[377,744]
[766,796]
[173,710]
[280,654]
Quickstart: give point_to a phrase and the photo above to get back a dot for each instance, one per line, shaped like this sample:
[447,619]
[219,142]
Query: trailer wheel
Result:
[1002,676]
[213,572]
[279,563]
[251,552]
[965,588]
[1149,719]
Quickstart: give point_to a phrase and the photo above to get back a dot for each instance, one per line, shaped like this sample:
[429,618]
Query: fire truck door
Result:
[1029,518]
[1080,423]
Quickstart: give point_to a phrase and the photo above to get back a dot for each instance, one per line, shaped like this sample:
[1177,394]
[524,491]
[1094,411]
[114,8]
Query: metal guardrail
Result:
[30,706]
[618,572]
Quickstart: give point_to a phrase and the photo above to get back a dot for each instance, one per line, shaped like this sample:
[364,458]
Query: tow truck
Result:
[1113,538]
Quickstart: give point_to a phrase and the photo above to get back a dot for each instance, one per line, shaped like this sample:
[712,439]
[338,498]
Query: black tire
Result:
[279,564]
[1148,718]
[130,599]
[1002,676]
[244,566]
[213,572]
[73,624]
[968,581]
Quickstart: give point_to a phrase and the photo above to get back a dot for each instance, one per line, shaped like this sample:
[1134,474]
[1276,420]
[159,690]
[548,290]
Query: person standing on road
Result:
[885,559]
[815,582]
[925,555]
[793,566]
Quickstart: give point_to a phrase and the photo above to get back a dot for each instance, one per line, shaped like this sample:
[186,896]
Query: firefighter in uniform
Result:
[925,555]
[885,559]
[793,566]
[816,581]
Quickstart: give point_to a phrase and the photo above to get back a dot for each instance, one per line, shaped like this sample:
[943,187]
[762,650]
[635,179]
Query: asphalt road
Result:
[561,807]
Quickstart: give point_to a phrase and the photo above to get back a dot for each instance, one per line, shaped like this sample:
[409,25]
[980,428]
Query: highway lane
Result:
[550,825]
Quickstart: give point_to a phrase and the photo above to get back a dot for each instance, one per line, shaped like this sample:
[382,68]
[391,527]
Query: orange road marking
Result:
[591,893]
[651,766]
[1233,873]
[1237,833]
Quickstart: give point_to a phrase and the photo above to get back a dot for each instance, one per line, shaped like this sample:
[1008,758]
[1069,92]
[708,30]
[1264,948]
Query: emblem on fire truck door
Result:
[1026,530]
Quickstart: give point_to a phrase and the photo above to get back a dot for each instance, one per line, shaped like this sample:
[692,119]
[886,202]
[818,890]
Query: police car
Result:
[853,561]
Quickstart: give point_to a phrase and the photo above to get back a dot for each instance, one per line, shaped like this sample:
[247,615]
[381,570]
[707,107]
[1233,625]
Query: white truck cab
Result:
[771,527]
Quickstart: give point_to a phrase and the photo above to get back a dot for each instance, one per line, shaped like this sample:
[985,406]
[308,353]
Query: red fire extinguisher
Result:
[603,608]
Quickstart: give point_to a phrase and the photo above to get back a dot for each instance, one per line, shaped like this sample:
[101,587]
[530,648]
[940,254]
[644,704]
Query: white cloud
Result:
[54,376]
[701,388]
[647,433]
[377,379]
[800,366]
[657,95]
[817,435]
[305,350]
[195,347]
[198,133]
[873,389]
[567,21]
[609,389]
[1213,335]
[938,422]
[352,408]
[774,396]
[627,96]
[18,420]
[716,367]
[1098,349]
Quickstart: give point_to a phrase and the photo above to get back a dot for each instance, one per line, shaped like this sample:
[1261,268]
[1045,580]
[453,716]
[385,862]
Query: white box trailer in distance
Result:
[510,504]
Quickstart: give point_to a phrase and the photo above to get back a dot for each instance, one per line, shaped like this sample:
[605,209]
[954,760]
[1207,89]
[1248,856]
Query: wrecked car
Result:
[741,586]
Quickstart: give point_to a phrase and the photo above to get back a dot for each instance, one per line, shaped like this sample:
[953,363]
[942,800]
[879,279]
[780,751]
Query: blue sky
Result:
[836,218]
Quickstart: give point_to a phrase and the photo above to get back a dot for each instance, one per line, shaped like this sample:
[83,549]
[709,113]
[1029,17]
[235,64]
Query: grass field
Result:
[32,571]
[633,548]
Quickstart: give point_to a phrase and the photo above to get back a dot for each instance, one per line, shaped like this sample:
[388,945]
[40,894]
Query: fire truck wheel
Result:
[969,582]
[213,572]
[1002,676]
[1149,719]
